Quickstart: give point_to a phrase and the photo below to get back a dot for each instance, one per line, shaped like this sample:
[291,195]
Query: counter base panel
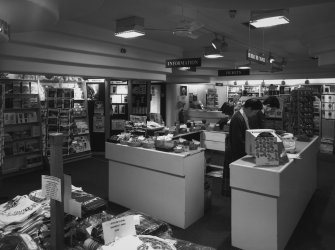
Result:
[178,200]
[263,221]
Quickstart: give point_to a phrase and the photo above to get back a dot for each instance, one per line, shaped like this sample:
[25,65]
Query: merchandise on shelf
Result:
[20,127]
[301,122]
[66,113]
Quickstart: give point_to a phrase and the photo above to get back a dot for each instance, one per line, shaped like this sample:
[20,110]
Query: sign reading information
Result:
[183,62]
[256,56]
[234,72]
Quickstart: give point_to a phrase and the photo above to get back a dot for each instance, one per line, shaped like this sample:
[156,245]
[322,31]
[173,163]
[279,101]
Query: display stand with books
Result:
[21,127]
[66,112]
[118,106]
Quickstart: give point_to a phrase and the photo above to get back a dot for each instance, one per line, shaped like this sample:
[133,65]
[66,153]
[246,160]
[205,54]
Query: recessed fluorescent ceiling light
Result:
[130,27]
[263,19]
[213,56]
[244,67]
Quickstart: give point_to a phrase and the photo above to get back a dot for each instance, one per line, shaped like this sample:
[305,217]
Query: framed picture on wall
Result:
[183,90]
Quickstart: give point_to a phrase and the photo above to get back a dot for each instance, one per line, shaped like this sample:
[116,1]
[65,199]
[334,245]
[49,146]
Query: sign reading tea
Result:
[256,56]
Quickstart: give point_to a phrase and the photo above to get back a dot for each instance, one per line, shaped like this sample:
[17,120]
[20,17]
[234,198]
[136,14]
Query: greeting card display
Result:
[267,152]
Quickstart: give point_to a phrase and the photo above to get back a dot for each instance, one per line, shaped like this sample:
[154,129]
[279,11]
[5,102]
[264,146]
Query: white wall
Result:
[75,49]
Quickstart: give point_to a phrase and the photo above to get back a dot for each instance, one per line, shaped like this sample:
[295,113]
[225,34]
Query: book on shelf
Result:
[9,118]
[26,103]
[17,87]
[59,93]
[64,121]
[33,88]
[64,113]
[9,88]
[53,113]
[32,146]
[17,103]
[26,117]
[25,88]
[19,118]
[51,104]
[51,93]
[33,161]
[32,117]
[8,103]
[59,103]
[33,102]
[66,104]
[20,147]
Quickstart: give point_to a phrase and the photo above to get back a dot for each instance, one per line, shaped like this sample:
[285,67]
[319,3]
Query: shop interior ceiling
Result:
[307,43]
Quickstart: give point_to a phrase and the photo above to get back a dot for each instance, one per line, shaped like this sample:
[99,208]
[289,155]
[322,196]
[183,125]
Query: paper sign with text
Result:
[51,187]
[118,228]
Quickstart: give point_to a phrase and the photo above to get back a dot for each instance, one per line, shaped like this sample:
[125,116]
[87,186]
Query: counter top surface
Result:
[250,161]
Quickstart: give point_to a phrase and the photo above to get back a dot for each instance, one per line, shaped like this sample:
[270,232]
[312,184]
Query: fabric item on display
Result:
[140,242]
[18,242]
[17,210]
[90,203]
[148,226]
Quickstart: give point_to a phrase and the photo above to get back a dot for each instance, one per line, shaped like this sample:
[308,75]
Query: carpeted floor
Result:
[315,231]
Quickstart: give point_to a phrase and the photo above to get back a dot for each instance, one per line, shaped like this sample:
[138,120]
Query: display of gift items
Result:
[20,128]
[301,123]
[162,143]
[266,146]
[25,221]
[66,112]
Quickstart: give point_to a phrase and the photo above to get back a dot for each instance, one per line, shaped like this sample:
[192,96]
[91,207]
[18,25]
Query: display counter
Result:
[268,202]
[209,116]
[168,186]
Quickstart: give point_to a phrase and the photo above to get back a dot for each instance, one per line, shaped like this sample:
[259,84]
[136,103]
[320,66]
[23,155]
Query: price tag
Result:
[118,228]
[51,187]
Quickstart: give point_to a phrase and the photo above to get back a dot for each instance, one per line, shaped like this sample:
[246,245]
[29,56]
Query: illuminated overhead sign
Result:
[184,62]
[234,72]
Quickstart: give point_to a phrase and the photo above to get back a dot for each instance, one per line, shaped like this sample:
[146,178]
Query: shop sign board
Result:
[220,84]
[234,72]
[256,56]
[183,62]
[96,80]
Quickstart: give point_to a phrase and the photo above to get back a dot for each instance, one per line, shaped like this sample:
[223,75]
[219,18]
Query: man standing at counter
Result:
[235,141]
[239,124]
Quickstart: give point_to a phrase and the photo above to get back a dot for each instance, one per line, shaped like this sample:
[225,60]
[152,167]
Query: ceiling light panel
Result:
[269,18]
[130,27]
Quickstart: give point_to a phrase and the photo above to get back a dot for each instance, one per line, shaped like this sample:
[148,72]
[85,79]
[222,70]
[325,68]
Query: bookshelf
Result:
[65,111]
[21,132]
[118,105]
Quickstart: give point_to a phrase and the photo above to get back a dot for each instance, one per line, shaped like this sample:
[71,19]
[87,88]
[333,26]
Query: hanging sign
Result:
[183,62]
[256,56]
[96,80]
[233,72]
